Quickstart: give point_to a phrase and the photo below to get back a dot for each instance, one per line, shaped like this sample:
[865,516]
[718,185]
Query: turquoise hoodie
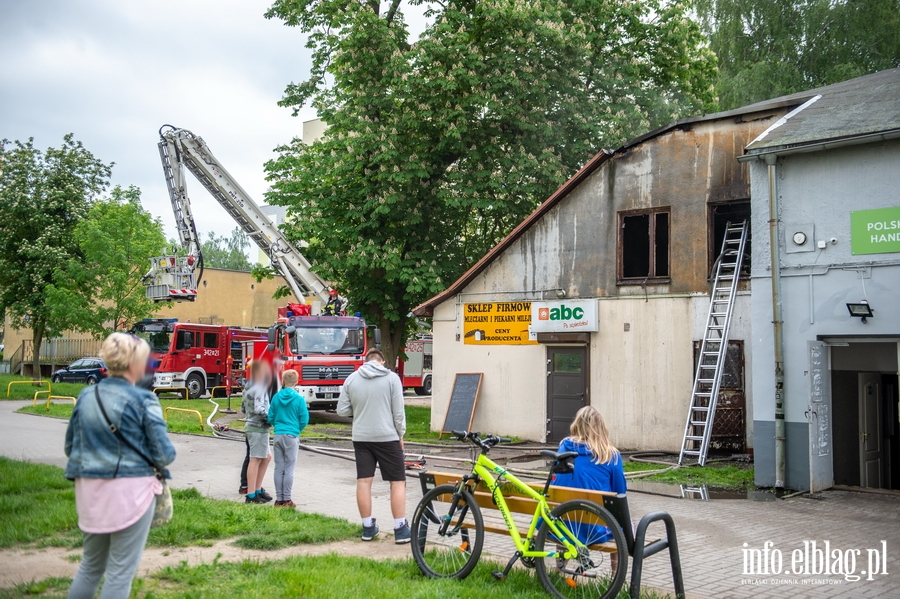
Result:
[288,413]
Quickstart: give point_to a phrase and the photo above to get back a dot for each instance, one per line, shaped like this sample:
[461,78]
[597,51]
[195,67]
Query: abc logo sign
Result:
[561,313]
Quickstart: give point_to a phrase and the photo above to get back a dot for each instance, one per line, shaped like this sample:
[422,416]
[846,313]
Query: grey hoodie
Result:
[373,396]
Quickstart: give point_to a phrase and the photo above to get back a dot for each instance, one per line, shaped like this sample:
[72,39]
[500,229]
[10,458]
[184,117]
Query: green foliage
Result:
[43,197]
[226,252]
[436,149]
[102,291]
[769,48]
[38,505]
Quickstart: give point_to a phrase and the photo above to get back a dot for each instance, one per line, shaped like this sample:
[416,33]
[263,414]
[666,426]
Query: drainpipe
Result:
[778,325]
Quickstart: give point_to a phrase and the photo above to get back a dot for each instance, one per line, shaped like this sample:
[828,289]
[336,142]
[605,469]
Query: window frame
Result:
[214,336]
[620,266]
[712,249]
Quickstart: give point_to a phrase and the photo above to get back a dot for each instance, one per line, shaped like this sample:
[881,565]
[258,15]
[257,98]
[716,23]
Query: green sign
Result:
[875,231]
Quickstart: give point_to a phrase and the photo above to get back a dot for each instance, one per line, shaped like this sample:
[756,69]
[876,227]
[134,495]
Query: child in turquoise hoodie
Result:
[289,416]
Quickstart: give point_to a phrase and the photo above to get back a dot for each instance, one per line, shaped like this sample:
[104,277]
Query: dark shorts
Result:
[388,455]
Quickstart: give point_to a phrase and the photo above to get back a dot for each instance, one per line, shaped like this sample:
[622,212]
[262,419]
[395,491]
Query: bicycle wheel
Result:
[599,569]
[454,552]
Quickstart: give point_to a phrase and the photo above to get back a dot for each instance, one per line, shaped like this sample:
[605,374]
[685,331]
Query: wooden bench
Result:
[617,505]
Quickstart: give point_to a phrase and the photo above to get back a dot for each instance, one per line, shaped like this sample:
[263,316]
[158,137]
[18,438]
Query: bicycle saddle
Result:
[559,456]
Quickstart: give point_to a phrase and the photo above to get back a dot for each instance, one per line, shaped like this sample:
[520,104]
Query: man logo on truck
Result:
[328,373]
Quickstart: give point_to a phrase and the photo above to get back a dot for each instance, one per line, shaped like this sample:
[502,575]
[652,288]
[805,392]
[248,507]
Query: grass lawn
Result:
[324,577]
[37,507]
[179,422]
[27,391]
[713,474]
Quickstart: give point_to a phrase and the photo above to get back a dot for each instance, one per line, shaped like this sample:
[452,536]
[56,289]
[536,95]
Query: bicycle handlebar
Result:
[485,444]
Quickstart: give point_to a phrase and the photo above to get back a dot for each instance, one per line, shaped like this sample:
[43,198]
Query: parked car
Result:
[85,370]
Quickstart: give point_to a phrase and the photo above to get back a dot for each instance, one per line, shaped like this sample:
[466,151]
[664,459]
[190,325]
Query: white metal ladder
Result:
[714,346]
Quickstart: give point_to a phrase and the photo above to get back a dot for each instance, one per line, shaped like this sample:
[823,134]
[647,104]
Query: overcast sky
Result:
[113,71]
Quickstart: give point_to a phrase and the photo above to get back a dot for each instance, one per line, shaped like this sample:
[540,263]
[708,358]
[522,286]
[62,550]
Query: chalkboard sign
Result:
[461,410]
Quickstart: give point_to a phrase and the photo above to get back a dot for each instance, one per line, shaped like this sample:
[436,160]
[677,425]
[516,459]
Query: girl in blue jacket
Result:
[598,466]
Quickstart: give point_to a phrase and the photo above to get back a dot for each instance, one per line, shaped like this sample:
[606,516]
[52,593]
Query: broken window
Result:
[719,217]
[644,245]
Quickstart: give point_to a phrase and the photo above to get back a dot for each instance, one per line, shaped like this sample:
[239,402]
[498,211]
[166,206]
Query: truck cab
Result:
[324,350]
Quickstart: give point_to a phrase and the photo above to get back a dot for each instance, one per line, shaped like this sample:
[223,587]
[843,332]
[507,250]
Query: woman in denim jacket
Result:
[115,487]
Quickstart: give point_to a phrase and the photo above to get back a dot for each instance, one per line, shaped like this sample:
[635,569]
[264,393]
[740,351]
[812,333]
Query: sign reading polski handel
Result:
[564,316]
[875,231]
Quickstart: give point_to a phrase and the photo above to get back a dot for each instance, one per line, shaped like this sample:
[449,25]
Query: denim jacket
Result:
[95,452]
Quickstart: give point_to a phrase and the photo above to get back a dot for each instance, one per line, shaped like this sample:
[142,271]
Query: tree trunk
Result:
[37,339]
[391,340]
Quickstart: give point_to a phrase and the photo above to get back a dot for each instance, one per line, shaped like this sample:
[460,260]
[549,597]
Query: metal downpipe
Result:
[777,325]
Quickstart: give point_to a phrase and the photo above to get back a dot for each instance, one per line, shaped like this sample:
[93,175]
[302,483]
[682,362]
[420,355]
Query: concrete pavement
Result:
[711,534]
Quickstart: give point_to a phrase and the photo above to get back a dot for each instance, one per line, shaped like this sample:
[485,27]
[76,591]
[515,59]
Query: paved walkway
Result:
[711,534]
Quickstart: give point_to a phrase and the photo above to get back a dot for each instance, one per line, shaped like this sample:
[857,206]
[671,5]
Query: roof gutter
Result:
[820,146]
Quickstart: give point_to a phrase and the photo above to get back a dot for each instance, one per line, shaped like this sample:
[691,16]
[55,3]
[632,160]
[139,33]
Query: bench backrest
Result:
[520,503]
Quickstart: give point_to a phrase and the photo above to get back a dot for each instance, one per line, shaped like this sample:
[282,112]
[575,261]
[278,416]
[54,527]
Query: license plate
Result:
[328,390]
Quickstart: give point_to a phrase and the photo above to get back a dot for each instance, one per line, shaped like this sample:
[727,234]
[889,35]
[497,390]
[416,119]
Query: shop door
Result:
[567,388]
[818,413]
[870,448]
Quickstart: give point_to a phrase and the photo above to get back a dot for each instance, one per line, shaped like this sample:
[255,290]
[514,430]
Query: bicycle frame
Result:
[484,470]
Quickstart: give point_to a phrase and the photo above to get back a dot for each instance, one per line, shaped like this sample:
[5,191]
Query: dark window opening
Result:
[719,217]
[210,340]
[644,245]
[661,244]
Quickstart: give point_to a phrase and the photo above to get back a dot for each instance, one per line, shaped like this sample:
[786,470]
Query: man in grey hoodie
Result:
[373,397]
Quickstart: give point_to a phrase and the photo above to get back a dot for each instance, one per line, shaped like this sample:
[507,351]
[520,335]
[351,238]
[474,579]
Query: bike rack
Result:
[199,416]
[37,382]
[51,397]
[228,391]
[180,390]
[36,393]
[618,507]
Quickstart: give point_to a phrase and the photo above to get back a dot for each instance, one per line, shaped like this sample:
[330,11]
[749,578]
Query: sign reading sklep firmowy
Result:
[875,231]
[497,323]
[564,316]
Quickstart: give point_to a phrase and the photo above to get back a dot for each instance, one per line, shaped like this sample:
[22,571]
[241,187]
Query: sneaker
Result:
[242,491]
[278,503]
[265,495]
[369,532]
[254,499]
[289,504]
[402,535]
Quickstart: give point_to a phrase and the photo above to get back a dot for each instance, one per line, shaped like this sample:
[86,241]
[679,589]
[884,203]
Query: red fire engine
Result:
[194,356]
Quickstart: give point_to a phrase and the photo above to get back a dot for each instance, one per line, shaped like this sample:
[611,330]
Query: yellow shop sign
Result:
[497,323]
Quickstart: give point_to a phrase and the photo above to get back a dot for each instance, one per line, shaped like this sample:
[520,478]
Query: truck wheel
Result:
[425,389]
[196,386]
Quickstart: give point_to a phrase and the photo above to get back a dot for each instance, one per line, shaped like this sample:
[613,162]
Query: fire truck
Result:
[323,348]
[415,371]
[196,357]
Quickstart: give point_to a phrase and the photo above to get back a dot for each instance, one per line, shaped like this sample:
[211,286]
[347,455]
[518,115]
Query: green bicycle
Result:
[577,548]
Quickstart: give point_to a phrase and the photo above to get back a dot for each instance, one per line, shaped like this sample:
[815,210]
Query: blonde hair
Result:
[589,429]
[120,350]
[290,378]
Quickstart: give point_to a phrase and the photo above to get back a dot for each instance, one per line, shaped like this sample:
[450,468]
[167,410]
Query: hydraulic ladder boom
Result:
[179,149]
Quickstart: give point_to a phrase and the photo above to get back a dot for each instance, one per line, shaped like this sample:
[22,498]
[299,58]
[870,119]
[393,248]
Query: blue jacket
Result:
[590,475]
[95,452]
[288,413]
[609,476]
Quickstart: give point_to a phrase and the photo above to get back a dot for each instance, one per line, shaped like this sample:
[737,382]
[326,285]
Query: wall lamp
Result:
[861,310]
